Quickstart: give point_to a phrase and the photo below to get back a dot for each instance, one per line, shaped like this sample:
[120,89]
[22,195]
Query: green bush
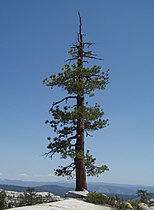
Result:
[134,203]
[28,198]
[3,204]
[96,198]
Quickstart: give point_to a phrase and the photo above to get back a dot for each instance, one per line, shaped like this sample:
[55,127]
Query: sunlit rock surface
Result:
[77,194]
[66,204]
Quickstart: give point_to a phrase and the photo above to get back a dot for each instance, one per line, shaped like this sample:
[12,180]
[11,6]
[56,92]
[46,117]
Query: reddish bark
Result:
[81,183]
[79,160]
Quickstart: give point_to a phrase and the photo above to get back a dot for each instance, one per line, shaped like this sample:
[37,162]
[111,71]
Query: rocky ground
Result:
[74,200]
[66,204]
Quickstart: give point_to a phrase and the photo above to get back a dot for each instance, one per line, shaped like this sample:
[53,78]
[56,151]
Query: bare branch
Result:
[64,99]
[50,154]
[85,62]
[93,57]
[88,134]
[71,59]
[89,43]
[66,170]
[69,166]
[73,106]
[73,137]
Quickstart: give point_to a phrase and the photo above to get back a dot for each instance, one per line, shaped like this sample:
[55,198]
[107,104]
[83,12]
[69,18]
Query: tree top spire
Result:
[80,28]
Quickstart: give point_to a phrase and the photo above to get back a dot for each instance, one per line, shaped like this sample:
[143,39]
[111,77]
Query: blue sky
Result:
[35,36]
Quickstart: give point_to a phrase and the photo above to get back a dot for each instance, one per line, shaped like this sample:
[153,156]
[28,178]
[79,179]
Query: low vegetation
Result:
[117,203]
[27,198]
[101,199]
[30,197]
[3,203]
[96,198]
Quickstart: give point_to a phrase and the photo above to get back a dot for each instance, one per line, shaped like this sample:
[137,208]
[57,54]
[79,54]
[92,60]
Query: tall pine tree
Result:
[73,117]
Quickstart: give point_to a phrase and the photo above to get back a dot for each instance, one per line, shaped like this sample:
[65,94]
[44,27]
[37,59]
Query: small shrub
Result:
[134,203]
[3,204]
[112,201]
[96,198]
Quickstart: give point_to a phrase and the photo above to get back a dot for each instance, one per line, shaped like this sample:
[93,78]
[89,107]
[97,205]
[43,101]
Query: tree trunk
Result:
[79,160]
[81,183]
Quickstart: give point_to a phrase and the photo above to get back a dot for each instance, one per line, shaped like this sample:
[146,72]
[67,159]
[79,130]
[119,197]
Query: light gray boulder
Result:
[128,205]
[142,206]
[77,194]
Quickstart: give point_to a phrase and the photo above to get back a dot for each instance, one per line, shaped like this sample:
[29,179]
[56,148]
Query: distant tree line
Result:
[13,188]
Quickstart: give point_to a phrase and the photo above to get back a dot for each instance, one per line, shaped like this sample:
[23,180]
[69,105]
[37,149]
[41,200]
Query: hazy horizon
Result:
[70,182]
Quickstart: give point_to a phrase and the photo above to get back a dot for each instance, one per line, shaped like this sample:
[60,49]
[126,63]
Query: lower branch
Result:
[64,99]
[91,169]
[65,170]
[88,134]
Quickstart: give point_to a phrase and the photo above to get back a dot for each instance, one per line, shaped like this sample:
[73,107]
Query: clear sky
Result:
[35,36]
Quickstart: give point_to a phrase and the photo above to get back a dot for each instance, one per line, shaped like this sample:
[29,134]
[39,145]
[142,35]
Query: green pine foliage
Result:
[28,198]
[144,196]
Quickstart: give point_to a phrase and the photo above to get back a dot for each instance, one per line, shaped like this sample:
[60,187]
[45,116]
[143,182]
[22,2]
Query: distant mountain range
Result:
[124,191]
